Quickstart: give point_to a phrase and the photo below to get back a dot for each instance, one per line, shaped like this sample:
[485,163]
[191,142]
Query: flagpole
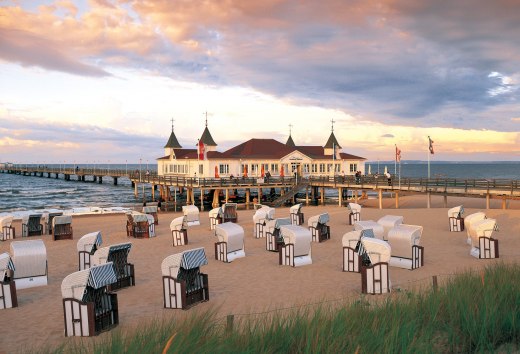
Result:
[395,160]
[428,163]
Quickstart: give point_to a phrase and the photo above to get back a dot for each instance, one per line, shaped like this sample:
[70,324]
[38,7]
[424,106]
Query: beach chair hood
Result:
[215,212]
[321,219]
[264,213]
[178,223]
[351,238]
[456,212]
[295,209]
[62,220]
[150,209]
[402,237]
[354,207]
[377,250]
[5,221]
[189,259]
[483,228]
[90,242]
[103,255]
[191,212]
[29,257]
[376,228]
[75,285]
[6,265]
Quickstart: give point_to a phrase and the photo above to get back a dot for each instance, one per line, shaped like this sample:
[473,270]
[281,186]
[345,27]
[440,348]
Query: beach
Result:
[254,284]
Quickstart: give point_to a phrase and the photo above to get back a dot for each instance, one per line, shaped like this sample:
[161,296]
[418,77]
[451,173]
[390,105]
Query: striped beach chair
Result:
[320,231]
[118,255]
[8,297]
[179,229]
[87,245]
[31,225]
[375,277]
[273,239]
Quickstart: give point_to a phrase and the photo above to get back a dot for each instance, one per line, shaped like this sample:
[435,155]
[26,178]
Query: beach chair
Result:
[30,262]
[229,212]
[470,221]
[230,242]
[47,219]
[260,218]
[406,252]
[215,217]
[179,229]
[320,231]
[118,255]
[483,245]
[353,254]
[296,248]
[355,213]
[375,278]
[152,210]
[7,231]
[296,214]
[62,227]
[31,225]
[183,283]
[191,212]
[273,239]
[87,245]
[389,222]
[8,297]
[140,225]
[89,308]
[455,219]
[377,229]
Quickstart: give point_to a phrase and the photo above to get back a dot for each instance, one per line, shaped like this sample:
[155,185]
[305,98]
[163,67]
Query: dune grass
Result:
[473,312]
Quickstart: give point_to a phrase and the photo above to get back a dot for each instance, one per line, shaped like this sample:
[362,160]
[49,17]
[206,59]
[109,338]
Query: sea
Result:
[23,193]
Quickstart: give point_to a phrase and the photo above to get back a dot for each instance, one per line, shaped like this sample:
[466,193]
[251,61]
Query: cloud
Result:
[387,136]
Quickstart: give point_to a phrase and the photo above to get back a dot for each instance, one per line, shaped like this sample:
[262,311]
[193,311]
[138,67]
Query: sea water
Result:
[19,193]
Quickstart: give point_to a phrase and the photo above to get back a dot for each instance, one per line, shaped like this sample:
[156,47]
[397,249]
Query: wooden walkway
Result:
[313,187]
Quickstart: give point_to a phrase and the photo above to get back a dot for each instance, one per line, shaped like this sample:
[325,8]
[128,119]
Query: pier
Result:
[313,186]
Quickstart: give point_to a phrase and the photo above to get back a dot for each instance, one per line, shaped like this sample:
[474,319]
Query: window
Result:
[314,168]
[322,168]
[306,168]
[329,168]
[274,168]
[337,167]
[254,168]
[223,169]
[201,169]
[353,167]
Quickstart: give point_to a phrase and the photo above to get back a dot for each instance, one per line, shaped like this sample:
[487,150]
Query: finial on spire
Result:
[332,121]
[290,129]
[206,113]
[172,120]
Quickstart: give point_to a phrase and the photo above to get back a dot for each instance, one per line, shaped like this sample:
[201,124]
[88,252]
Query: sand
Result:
[252,284]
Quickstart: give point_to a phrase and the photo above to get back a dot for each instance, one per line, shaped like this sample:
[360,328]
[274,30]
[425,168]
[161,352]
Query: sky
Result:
[99,81]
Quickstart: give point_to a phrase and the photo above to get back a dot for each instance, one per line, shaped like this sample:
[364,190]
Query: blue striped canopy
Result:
[193,258]
[101,275]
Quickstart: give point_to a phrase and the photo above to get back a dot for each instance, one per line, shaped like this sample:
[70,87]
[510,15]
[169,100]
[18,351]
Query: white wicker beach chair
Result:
[30,261]
[215,217]
[355,213]
[455,219]
[62,227]
[389,222]
[406,252]
[483,245]
[179,229]
[88,306]
[183,283]
[7,231]
[191,212]
[296,249]
[375,277]
[296,214]
[140,225]
[87,245]
[118,255]
[273,240]
[229,212]
[260,218]
[470,221]
[320,231]
[230,244]
[351,258]
[8,298]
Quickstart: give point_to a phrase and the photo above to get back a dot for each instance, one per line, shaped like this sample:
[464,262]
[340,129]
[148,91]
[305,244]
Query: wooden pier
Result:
[313,187]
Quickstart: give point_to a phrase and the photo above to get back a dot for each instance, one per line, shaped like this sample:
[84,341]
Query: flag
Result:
[397,154]
[201,149]
[431,145]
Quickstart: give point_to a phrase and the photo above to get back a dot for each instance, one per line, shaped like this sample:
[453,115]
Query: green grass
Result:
[473,312]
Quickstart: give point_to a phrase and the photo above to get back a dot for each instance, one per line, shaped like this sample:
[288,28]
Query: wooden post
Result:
[135,189]
[248,194]
[445,200]
[380,195]
[488,197]
[340,196]
[260,195]
[229,323]
[201,199]
[307,195]
[355,191]
[504,203]
[397,199]
[153,191]
[435,285]
[429,200]
[227,195]
[322,197]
